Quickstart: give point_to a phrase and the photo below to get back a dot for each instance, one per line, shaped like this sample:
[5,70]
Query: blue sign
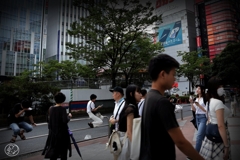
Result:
[171,34]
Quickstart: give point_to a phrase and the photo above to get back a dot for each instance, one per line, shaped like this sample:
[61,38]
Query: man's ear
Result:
[130,93]
[162,73]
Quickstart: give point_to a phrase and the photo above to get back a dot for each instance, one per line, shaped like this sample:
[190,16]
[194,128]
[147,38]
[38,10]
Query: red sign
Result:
[161,3]
[199,44]
[175,85]
[216,49]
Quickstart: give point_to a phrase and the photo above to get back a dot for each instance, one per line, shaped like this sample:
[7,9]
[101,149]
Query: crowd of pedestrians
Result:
[160,131]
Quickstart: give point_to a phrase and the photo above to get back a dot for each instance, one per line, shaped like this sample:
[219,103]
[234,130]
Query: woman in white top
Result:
[218,114]
[201,118]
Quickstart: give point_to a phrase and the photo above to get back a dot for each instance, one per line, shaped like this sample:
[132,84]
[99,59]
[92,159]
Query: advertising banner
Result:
[171,34]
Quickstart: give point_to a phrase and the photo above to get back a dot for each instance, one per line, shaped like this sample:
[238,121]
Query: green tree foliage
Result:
[138,57]
[66,70]
[227,64]
[21,87]
[194,65]
[109,32]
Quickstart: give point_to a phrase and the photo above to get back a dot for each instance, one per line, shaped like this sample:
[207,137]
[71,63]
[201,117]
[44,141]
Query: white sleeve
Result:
[92,105]
[219,105]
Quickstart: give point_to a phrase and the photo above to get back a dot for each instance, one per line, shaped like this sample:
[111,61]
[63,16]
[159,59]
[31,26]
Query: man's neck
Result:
[118,99]
[158,87]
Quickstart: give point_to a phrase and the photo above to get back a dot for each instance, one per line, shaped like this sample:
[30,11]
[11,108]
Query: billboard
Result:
[171,34]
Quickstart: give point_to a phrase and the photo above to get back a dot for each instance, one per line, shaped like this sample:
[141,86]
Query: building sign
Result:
[170,34]
[161,3]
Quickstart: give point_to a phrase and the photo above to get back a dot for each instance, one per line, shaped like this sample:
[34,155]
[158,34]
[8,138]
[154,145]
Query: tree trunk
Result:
[126,80]
[113,78]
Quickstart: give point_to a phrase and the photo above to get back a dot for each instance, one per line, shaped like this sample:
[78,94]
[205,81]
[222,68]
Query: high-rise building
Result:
[61,13]
[20,35]
[177,31]
[217,24]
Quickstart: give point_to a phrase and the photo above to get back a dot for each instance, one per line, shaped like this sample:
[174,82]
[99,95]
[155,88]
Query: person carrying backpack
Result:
[16,119]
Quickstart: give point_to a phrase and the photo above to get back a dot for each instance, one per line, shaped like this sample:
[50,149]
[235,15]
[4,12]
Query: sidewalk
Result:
[96,149]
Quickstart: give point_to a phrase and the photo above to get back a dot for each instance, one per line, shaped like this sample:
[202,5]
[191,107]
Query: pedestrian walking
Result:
[201,118]
[191,100]
[119,104]
[16,119]
[218,114]
[141,103]
[58,141]
[90,109]
[160,131]
[128,113]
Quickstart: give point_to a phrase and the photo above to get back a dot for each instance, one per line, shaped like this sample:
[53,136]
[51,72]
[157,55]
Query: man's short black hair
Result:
[159,63]
[26,103]
[93,96]
[143,92]
[59,97]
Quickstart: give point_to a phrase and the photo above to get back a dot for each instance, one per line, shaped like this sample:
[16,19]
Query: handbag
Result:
[115,144]
[136,139]
[212,132]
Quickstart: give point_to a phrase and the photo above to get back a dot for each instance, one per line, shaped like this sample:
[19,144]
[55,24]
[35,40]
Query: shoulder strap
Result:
[140,105]
[208,114]
[118,109]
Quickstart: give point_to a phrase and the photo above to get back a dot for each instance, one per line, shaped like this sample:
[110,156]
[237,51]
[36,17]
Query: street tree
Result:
[194,64]
[108,32]
[136,60]
[65,70]
[227,64]
[21,87]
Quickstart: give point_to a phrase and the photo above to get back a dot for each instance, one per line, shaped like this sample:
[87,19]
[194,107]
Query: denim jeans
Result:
[16,127]
[201,121]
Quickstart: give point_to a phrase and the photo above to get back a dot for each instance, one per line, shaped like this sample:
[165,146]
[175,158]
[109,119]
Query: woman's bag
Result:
[212,132]
[136,139]
[115,144]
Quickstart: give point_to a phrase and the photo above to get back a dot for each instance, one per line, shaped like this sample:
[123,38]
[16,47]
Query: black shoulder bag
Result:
[212,132]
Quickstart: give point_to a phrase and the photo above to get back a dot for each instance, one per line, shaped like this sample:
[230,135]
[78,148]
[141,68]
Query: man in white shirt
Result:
[141,103]
[91,108]
[119,104]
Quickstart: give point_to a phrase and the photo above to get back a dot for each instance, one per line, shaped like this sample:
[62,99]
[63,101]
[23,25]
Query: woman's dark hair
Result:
[59,97]
[93,96]
[161,62]
[130,94]
[203,95]
[26,103]
[213,84]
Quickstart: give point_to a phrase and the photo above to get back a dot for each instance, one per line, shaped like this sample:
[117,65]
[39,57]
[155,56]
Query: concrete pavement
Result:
[95,149]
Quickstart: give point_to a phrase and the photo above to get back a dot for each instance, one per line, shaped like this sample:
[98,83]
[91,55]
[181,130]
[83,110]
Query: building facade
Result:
[20,35]
[217,24]
[177,32]
[61,13]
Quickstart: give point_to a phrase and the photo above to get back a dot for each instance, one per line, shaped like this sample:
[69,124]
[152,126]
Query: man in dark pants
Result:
[160,131]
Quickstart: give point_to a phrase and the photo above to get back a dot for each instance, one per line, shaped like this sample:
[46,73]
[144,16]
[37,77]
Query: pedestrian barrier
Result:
[179,108]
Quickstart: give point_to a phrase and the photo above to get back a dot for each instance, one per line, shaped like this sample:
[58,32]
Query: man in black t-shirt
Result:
[160,131]
[16,119]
